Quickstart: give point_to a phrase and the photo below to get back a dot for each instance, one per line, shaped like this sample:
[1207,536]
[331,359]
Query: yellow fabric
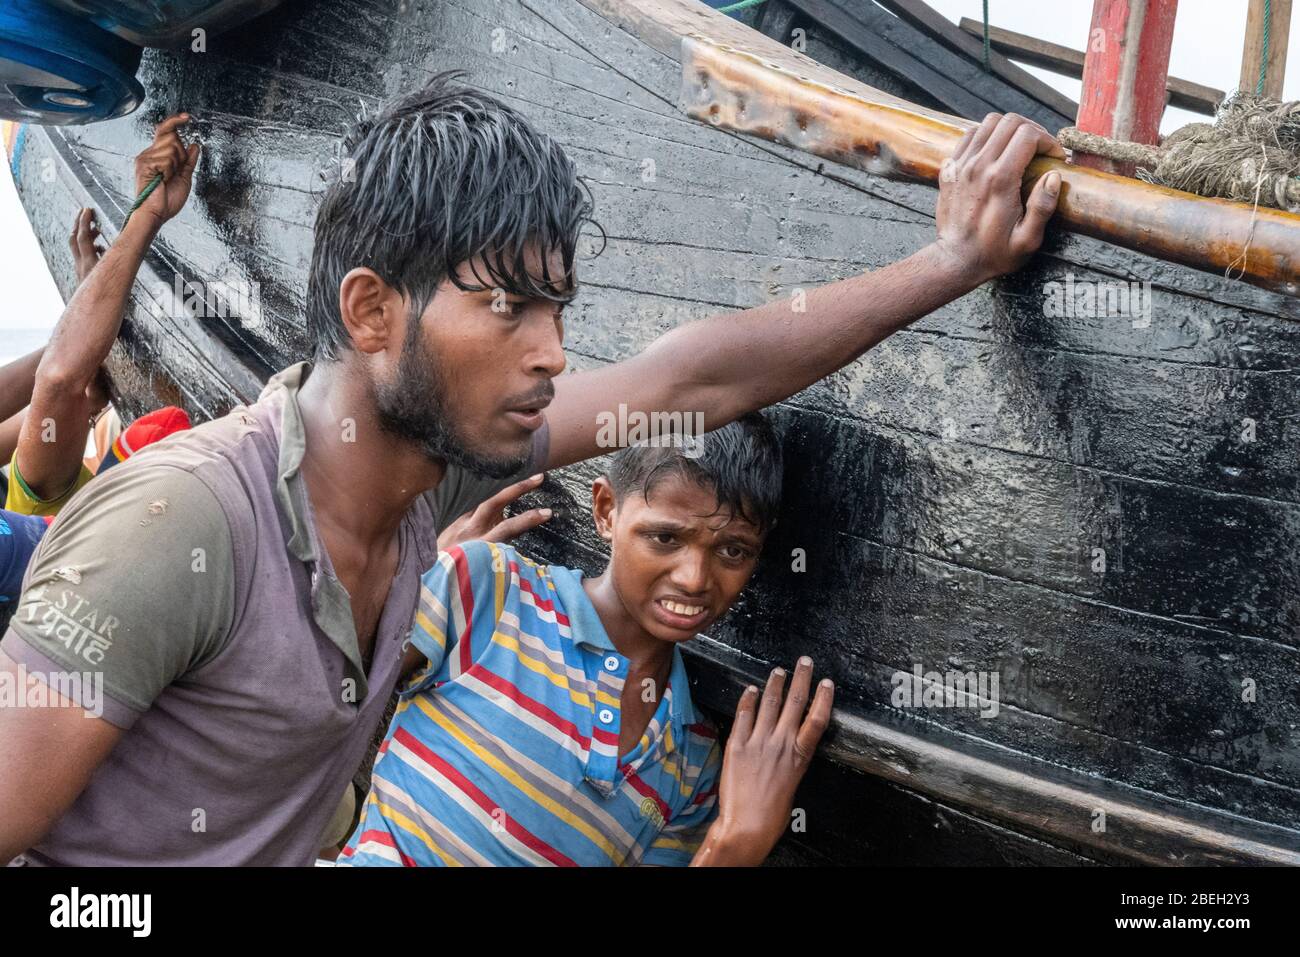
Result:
[23,499]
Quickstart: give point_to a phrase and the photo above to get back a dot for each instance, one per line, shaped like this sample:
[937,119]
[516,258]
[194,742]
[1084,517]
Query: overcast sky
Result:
[1208,39]
[1207,49]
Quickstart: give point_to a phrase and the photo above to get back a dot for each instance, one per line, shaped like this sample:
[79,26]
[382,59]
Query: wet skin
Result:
[496,355]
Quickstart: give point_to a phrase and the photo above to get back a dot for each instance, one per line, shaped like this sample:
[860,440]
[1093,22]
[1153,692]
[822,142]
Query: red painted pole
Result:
[1125,69]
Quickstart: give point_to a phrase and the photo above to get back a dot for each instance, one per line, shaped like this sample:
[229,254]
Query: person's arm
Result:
[17,379]
[768,751]
[47,756]
[9,430]
[53,436]
[101,598]
[725,366]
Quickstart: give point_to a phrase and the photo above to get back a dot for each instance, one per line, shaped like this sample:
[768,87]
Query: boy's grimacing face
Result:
[678,561]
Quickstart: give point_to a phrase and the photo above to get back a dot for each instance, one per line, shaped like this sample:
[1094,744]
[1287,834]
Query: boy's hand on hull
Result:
[983,225]
[768,751]
[489,523]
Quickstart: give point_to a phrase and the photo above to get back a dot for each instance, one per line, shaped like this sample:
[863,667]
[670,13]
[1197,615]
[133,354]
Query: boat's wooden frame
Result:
[748,83]
[1026,803]
[737,79]
[1031,795]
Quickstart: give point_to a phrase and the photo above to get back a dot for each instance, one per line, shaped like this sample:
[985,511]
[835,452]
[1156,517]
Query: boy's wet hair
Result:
[740,463]
[435,179]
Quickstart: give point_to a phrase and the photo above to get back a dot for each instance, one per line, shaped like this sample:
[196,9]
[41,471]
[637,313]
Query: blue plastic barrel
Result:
[56,68]
[74,61]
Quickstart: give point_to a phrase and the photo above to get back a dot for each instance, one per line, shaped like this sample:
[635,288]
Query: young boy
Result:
[552,721]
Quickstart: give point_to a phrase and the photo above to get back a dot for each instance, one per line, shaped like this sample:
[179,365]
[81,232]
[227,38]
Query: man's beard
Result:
[415,407]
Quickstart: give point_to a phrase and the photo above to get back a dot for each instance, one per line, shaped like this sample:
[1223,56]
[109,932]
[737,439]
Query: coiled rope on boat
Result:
[1250,153]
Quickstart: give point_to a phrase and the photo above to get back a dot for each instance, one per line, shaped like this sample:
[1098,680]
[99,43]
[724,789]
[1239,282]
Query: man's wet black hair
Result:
[740,463]
[436,178]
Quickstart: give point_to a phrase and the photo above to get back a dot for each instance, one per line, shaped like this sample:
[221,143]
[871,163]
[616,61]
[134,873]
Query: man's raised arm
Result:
[53,435]
[725,366]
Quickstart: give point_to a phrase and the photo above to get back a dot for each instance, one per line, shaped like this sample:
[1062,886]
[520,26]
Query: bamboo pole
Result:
[1278,21]
[739,90]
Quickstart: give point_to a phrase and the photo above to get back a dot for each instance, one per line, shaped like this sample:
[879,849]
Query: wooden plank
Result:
[1001,786]
[949,78]
[925,17]
[1279,29]
[1026,49]
[933,78]
[1183,94]
[921,832]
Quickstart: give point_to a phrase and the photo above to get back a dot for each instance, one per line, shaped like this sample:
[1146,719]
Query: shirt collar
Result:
[331,605]
[290,490]
[584,622]
[587,629]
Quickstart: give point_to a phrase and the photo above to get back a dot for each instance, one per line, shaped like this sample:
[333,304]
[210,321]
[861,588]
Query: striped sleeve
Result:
[679,839]
[460,601]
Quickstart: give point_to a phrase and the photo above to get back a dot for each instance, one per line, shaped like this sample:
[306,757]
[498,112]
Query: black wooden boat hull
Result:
[949,495]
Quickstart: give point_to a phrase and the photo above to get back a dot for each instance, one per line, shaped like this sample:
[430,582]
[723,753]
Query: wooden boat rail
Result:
[737,79]
[920,772]
[1011,788]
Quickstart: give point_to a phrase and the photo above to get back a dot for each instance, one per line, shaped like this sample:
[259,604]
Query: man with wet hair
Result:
[249,646]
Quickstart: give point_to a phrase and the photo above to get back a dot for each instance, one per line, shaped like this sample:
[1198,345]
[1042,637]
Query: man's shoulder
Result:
[148,512]
[189,484]
[213,442]
[224,454]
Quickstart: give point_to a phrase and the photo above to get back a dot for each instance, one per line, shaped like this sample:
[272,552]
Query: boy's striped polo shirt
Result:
[504,748]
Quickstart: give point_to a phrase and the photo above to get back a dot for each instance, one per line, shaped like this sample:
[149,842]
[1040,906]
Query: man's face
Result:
[679,562]
[474,376]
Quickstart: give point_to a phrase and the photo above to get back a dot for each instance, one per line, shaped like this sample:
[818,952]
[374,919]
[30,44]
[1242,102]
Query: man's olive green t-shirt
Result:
[190,580]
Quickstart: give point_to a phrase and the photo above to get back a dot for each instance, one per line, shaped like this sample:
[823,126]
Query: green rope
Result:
[988,67]
[743,5]
[144,194]
[1263,53]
